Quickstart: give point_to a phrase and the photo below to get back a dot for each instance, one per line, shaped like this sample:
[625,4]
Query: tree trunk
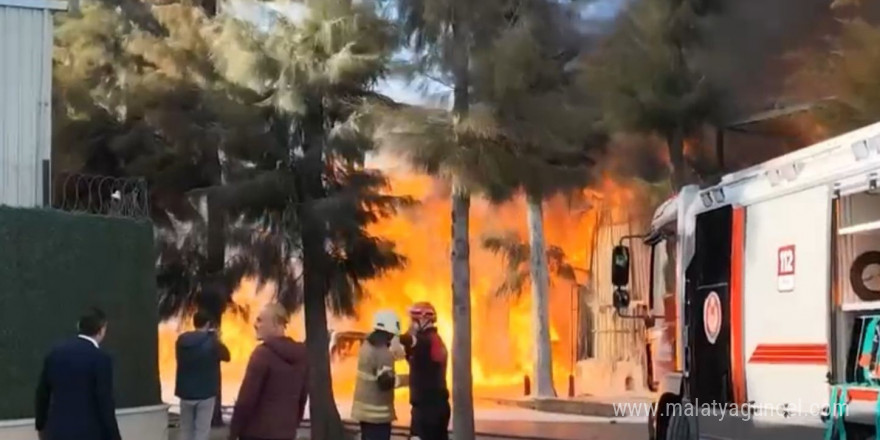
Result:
[675,144]
[326,424]
[216,257]
[543,365]
[462,374]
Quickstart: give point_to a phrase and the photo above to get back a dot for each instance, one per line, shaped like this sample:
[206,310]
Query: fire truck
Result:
[765,298]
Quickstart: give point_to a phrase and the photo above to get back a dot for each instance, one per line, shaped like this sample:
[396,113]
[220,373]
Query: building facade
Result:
[25,100]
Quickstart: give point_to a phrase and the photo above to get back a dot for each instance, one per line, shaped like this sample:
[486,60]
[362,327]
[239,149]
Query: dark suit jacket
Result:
[75,393]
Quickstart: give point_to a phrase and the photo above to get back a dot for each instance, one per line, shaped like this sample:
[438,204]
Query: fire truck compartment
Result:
[861,361]
[856,294]
[858,251]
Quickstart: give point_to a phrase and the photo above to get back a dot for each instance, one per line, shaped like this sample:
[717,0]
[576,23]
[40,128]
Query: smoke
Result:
[748,48]
[635,156]
[747,43]
[747,55]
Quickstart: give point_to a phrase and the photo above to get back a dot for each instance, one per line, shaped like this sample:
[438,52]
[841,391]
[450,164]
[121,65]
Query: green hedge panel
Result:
[54,265]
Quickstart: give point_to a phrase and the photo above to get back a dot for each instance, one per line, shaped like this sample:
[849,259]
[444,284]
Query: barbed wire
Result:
[102,195]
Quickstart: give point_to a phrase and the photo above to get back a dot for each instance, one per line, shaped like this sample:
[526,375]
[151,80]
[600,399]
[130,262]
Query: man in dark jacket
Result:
[75,392]
[427,357]
[273,395]
[199,354]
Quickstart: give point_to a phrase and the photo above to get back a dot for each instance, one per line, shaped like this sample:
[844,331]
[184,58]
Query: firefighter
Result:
[373,405]
[427,357]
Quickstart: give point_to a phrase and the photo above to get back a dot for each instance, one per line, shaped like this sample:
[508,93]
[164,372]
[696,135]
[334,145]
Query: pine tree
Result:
[268,124]
[313,78]
[443,35]
[551,128]
[649,76]
[849,72]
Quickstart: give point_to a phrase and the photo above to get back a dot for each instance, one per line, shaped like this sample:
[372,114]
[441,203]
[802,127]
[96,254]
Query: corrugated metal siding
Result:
[58,5]
[25,96]
[603,334]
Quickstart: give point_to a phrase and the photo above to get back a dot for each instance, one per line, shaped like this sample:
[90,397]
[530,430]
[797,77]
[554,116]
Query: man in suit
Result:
[75,393]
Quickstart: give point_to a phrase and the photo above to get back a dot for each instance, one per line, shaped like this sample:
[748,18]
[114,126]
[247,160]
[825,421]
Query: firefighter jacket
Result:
[427,357]
[374,386]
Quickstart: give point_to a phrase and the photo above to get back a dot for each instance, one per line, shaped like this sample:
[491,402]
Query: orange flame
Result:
[501,326]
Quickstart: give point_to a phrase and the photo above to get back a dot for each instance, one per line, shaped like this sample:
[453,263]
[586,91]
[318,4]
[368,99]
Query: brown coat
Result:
[273,395]
[372,404]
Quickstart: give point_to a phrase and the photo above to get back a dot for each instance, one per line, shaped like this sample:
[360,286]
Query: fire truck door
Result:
[708,307]
[786,301]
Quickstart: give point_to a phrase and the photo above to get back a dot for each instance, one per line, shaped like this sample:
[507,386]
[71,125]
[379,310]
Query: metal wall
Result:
[25,97]
[603,334]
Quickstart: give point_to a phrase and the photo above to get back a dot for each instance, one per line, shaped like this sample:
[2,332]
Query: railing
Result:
[101,195]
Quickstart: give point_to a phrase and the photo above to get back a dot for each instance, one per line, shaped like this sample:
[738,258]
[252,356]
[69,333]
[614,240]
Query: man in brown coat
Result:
[273,395]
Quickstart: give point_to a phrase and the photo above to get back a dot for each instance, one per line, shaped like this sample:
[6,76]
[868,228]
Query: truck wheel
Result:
[681,427]
[663,411]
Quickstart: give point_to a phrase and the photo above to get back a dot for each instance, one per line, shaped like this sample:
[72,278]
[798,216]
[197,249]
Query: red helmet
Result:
[423,311]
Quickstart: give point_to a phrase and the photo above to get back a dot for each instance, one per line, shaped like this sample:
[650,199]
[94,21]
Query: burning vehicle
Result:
[345,344]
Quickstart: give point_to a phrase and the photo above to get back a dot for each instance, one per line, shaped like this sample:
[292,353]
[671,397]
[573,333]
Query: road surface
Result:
[503,423]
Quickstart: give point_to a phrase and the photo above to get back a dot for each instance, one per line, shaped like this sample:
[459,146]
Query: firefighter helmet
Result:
[387,321]
[423,311]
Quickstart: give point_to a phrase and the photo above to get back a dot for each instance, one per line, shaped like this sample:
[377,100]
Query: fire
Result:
[236,331]
[501,326]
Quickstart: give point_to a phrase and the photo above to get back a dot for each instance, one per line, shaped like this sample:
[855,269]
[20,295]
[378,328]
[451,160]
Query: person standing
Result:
[272,399]
[427,357]
[75,391]
[373,405]
[199,354]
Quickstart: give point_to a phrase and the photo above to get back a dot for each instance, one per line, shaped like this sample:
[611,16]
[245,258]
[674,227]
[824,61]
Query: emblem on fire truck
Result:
[785,265]
[712,316]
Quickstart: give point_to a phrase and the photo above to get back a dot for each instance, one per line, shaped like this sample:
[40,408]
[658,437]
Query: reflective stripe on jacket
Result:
[372,404]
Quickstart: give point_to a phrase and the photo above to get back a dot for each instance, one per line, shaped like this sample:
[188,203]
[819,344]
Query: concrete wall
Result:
[145,423]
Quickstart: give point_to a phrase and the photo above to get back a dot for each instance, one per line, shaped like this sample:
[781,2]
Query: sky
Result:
[393,87]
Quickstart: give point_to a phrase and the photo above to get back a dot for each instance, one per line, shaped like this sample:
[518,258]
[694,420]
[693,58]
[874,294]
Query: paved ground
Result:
[514,423]
[594,433]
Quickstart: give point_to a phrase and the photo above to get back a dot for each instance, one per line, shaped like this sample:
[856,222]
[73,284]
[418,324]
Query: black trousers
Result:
[431,422]
[375,431]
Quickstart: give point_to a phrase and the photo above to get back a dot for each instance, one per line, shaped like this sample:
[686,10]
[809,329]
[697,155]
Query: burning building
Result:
[604,352]
[502,325]
[612,355]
